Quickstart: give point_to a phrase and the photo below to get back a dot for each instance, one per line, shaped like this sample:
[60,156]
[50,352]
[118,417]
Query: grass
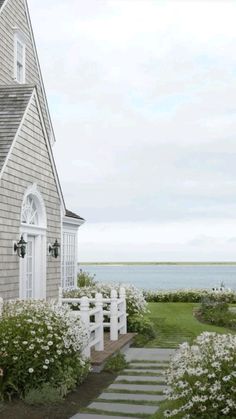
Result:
[126,401]
[113,390]
[144,373]
[105,413]
[175,323]
[142,382]
[145,361]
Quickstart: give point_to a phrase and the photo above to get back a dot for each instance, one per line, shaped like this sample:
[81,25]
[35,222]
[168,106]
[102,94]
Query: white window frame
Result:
[19,38]
[69,258]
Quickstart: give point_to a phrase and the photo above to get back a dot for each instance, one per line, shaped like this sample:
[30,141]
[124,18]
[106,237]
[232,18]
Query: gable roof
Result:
[13,103]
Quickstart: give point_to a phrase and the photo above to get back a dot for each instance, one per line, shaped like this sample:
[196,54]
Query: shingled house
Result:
[38,236]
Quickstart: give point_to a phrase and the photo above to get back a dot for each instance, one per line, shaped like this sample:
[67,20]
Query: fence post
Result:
[60,295]
[122,295]
[114,316]
[99,320]
[85,318]
[1,306]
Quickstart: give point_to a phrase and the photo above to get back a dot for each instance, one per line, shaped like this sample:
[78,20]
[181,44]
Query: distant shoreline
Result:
[156,263]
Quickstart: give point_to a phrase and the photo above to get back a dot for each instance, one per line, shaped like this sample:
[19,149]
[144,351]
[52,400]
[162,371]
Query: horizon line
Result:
[156,262]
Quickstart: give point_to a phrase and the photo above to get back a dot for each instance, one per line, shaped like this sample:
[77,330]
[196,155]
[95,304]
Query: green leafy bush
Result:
[138,324]
[143,327]
[116,363]
[43,395]
[40,343]
[217,313]
[85,279]
[189,296]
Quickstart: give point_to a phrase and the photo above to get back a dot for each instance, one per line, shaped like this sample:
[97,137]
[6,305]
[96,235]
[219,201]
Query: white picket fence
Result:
[92,311]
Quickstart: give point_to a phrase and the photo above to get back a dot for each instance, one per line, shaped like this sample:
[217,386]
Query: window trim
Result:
[69,258]
[19,38]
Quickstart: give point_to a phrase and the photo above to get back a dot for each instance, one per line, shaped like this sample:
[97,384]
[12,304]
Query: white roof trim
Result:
[4,4]
[39,70]
[35,96]
[73,221]
[17,133]
[49,146]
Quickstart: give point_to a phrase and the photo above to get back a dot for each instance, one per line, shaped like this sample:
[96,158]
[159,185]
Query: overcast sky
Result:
[142,96]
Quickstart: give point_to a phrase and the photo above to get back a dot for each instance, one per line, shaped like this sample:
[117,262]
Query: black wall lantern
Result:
[20,247]
[54,249]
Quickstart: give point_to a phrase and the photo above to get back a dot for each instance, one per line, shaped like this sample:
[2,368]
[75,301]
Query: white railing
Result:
[117,314]
[92,311]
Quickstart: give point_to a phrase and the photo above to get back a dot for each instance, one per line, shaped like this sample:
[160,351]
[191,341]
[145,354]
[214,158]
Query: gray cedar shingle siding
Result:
[13,103]
[13,16]
[28,163]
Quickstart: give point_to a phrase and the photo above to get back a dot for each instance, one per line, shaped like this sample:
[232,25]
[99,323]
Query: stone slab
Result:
[135,397]
[97,416]
[123,407]
[149,354]
[132,378]
[141,372]
[138,387]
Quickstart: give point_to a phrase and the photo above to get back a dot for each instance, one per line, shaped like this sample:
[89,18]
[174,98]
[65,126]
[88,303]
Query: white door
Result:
[33,228]
[30,268]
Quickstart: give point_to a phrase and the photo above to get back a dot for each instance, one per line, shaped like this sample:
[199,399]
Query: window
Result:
[29,213]
[68,260]
[19,58]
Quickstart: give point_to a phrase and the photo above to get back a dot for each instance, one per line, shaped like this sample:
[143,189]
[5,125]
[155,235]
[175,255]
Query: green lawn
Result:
[174,323]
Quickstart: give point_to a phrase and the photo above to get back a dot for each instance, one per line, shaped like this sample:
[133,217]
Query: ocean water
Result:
[166,277]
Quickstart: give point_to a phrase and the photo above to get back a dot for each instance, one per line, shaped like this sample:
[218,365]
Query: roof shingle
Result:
[13,103]
[73,215]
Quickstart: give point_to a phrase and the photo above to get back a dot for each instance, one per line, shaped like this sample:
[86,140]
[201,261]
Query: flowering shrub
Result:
[203,378]
[40,343]
[189,296]
[135,301]
[136,305]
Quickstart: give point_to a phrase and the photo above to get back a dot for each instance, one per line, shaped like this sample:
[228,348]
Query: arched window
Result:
[29,213]
[33,212]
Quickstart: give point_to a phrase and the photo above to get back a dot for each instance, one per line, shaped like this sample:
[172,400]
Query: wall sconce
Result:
[20,247]
[54,249]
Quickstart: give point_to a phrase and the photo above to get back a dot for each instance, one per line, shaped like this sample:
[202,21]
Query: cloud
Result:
[142,96]
[184,241]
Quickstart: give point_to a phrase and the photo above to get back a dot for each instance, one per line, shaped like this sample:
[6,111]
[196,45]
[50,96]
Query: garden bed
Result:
[77,399]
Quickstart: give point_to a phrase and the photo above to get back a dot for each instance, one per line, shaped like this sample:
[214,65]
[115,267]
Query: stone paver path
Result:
[138,390]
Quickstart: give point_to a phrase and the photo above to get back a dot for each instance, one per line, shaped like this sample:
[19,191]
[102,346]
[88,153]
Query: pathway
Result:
[137,391]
